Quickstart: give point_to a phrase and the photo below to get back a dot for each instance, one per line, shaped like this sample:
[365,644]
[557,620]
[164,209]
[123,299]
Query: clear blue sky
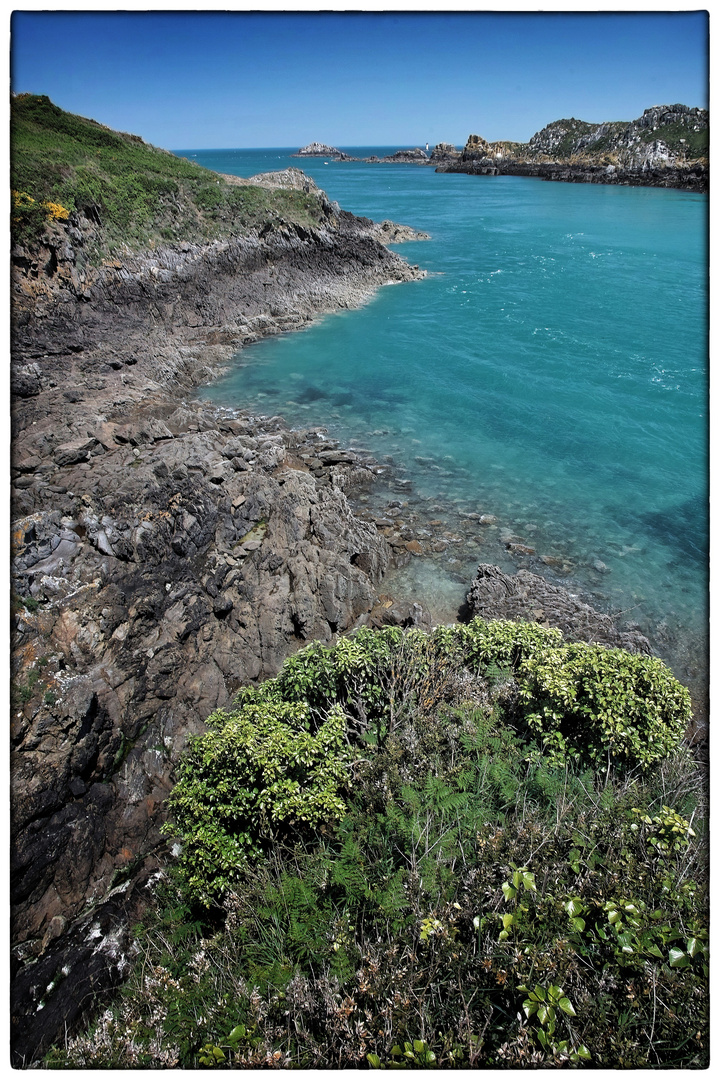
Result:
[186,80]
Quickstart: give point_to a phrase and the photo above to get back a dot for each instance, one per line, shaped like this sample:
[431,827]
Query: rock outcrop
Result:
[317,149]
[415,156]
[523,595]
[164,552]
[444,152]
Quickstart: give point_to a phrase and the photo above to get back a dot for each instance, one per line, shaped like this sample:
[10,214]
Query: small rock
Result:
[519,549]
[223,606]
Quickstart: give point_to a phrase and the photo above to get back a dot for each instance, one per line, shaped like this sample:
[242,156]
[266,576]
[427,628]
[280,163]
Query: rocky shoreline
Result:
[686,178]
[165,552]
[162,554]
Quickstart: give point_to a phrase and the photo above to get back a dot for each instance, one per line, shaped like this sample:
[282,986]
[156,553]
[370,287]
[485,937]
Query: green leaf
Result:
[566,1006]
[374,1061]
[694,947]
[508,891]
[678,958]
[529,881]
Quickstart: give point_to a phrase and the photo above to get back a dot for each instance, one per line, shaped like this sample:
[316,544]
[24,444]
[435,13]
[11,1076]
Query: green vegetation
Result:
[680,138]
[572,130]
[481,847]
[138,194]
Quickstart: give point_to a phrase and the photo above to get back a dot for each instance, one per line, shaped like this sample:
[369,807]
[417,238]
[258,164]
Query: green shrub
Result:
[603,705]
[257,772]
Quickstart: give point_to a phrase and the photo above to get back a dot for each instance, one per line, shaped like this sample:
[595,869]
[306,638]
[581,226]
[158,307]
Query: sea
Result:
[550,372]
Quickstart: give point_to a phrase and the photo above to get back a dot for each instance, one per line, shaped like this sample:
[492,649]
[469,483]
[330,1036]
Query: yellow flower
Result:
[56,212]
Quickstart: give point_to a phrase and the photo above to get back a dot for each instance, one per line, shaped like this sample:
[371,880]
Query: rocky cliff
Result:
[164,552]
[666,147]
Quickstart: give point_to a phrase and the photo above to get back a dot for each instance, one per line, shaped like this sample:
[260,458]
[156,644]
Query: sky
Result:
[222,79]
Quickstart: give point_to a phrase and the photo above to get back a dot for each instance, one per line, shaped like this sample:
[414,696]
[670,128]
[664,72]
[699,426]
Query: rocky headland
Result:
[666,147]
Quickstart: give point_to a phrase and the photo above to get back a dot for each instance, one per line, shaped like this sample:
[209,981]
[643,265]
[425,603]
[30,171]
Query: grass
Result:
[139,195]
[475,902]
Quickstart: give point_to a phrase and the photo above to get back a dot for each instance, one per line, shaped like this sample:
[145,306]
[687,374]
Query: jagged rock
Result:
[26,381]
[442,152]
[403,613]
[70,453]
[390,233]
[495,595]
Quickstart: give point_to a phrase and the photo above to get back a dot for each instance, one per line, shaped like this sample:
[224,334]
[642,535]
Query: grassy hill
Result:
[62,164]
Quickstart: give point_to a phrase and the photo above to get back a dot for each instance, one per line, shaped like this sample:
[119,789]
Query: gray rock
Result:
[70,453]
[526,596]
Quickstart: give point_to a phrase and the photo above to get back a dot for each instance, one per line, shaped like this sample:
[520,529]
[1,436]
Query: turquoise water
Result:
[551,370]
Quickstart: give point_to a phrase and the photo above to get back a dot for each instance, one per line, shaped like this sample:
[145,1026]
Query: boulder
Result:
[526,596]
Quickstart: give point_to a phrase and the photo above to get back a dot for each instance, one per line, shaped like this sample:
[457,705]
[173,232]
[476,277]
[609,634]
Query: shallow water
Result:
[551,370]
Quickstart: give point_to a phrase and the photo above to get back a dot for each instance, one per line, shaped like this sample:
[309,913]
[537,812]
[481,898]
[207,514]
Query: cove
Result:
[551,371]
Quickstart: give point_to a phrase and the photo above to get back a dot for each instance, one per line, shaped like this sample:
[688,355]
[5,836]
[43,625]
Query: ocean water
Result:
[551,371]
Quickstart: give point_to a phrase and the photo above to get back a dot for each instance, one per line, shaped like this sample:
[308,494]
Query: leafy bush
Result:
[603,704]
[257,771]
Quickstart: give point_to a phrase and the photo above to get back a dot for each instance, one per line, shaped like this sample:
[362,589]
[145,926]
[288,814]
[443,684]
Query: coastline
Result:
[170,551]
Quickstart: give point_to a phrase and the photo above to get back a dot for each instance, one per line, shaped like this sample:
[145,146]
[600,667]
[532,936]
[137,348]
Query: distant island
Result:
[666,147]
[441,154]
